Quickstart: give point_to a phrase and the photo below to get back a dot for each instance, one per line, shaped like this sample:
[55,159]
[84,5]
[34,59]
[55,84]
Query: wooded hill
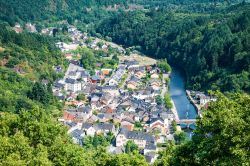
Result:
[213,49]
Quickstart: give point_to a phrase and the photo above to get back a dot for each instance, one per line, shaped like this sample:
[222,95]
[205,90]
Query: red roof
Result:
[68,116]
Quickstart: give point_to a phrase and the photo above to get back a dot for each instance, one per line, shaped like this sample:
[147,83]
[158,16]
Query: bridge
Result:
[186,121]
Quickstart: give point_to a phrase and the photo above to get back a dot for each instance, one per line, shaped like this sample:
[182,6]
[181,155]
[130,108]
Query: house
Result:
[106,98]
[133,82]
[77,136]
[144,94]
[80,114]
[140,73]
[116,78]
[154,75]
[31,28]
[104,117]
[158,125]
[113,81]
[104,128]
[89,88]
[88,129]
[149,148]
[131,85]
[150,157]
[95,79]
[128,124]
[131,63]
[141,139]
[18,29]
[99,128]
[106,71]
[68,56]
[113,90]
[86,112]
[148,68]
[72,85]
[155,84]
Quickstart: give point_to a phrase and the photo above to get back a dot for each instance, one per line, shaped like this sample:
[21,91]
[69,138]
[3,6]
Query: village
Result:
[121,100]
[122,94]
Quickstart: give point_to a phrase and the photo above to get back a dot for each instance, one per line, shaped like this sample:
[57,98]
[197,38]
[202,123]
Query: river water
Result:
[178,94]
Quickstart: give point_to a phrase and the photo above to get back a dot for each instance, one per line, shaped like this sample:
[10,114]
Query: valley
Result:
[113,83]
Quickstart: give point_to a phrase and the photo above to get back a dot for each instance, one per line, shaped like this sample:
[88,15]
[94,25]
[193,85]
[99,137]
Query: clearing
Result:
[143,60]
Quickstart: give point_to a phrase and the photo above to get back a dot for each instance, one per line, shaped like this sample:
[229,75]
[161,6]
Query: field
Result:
[143,60]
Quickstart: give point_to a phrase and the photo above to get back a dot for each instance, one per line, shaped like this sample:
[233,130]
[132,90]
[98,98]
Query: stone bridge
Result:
[186,121]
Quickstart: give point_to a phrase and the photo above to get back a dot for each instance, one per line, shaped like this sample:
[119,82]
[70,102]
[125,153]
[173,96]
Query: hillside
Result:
[213,49]
[212,45]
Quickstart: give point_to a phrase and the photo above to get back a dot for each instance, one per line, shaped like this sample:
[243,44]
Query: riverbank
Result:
[174,110]
[197,108]
[183,108]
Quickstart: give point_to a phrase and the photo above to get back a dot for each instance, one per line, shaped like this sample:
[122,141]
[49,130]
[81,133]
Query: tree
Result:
[130,147]
[180,137]
[81,97]
[167,101]
[159,100]
[164,66]
[39,93]
[88,59]
[222,134]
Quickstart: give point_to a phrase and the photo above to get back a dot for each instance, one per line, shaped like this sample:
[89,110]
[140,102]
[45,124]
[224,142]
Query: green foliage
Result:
[40,93]
[98,141]
[167,101]
[138,125]
[159,100]
[165,156]
[88,59]
[131,147]
[221,137]
[81,97]
[31,137]
[212,49]
[164,66]
[174,125]
[180,137]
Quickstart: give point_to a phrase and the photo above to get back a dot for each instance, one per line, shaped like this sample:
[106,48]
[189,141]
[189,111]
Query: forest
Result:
[211,44]
[213,49]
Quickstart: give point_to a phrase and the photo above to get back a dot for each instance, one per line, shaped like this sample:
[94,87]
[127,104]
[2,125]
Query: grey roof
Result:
[72,73]
[70,81]
[84,74]
[150,146]
[85,109]
[86,125]
[133,78]
[58,85]
[95,77]
[152,120]
[131,62]
[105,126]
[101,116]
[107,87]
[71,124]
[77,133]
[138,135]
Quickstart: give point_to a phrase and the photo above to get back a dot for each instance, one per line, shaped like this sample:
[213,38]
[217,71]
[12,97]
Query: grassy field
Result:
[143,60]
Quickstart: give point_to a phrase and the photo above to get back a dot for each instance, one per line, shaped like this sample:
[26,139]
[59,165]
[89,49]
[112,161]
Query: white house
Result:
[72,85]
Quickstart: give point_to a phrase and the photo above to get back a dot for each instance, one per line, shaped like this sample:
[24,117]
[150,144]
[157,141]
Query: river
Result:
[177,92]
